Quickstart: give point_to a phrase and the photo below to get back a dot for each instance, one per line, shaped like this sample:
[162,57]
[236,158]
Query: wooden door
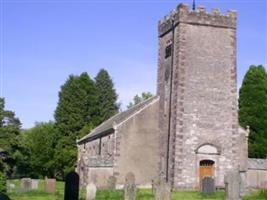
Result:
[206,168]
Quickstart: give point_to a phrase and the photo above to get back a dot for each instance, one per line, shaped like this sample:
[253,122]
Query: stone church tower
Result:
[198,115]
[190,129]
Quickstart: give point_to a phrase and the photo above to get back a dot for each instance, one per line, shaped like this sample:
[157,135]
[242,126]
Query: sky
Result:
[42,42]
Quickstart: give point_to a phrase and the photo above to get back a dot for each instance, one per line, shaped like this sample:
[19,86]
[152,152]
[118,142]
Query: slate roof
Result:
[254,163]
[107,126]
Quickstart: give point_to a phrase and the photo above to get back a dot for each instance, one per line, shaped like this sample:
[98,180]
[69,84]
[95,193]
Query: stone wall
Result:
[100,175]
[257,178]
[137,146]
[257,173]
[201,76]
[96,156]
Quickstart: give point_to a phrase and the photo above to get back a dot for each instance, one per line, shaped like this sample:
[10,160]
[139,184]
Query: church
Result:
[190,129]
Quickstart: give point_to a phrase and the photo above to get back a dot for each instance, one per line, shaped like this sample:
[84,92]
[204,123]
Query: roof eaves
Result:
[96,135]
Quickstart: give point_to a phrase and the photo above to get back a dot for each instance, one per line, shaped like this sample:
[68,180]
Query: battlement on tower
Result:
[182,14]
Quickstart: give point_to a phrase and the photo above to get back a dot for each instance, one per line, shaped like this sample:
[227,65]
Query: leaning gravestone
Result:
[208,186]
[72,186]
[232,185]
[4,197]
[50,185]
[112,182]
[161,189]
[90,191]
[130,187]
[26,184]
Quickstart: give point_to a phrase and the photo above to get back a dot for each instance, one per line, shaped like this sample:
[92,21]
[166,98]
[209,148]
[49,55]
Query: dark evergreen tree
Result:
[9,134]
[76,105]
[76,108]
[107,98]
[253,109]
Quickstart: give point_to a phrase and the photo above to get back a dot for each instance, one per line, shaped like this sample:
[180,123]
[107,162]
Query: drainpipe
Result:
[170,102]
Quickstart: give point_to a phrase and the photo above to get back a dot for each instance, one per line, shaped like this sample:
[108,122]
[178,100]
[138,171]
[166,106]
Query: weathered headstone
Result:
[112,182]
[10,186]
[90,191]
[208,186]
[50,185]
[232,185]
[4,197]
[162,190]
[35,184]
[26,184]
[72,186]
[130,187]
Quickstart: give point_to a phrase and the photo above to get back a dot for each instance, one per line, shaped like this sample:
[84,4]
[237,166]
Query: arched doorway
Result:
[206,168]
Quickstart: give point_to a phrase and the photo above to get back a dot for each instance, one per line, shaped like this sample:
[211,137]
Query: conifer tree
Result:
[253,109]
[9,134]
[107,97]
[76,108]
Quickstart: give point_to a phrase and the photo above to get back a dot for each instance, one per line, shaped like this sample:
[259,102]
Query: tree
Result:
[9,134]
[39,143]
[76,108]
[2,182]
[65,156]
[76,105]
[2,173]
[107,97]
[253,109]
[138,99]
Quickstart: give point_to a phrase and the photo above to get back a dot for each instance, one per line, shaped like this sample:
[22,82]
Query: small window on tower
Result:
[168,51]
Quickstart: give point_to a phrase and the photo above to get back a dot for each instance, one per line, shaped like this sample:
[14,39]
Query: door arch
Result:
[206,168]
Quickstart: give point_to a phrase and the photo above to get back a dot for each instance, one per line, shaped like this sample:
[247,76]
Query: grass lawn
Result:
[147,195]
[144,194]
[39,194]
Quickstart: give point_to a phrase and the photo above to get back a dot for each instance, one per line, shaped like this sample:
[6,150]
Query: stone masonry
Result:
[189,130]
[198,94]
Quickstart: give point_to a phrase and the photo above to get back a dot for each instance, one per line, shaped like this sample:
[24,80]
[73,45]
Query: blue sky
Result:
[44,41]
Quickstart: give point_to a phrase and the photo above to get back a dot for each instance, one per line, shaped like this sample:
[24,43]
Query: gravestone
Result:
[208,186]
[72,186]
[4,197]
[26,184]
[112,182]
[50,185]
[232,185]
[130,187]
[35,184]
[90,191]
[161,189]
[10,186]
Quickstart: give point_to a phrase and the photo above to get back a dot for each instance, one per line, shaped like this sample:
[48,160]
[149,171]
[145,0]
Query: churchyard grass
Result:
[257,195]
[144,194]
[39,194]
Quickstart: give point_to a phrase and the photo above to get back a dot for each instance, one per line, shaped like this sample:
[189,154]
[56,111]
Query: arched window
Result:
[207,149]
